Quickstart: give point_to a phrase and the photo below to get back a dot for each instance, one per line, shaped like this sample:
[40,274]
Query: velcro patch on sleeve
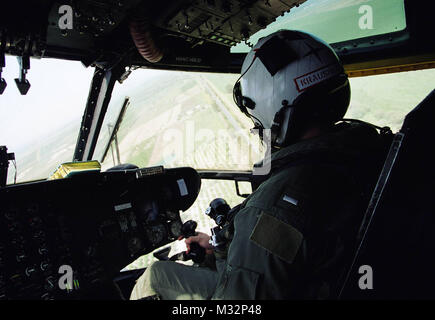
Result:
[277,237]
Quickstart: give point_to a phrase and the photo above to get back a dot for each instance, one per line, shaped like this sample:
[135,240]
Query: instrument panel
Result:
[61,239]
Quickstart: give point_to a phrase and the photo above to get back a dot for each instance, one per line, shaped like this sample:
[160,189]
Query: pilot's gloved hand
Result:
[202,239]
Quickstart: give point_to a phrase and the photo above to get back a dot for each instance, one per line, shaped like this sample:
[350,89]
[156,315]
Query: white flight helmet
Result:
[288,79]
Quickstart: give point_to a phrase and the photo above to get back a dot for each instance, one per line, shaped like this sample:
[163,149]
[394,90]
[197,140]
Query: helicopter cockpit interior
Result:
[111,190]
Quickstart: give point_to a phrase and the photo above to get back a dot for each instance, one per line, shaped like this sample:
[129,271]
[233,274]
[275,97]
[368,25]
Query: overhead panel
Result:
[225,22]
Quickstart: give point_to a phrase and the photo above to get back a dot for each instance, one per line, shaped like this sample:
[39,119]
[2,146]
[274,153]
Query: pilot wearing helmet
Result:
[294,236]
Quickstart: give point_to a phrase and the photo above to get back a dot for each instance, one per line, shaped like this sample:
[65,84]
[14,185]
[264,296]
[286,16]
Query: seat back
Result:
[397,246]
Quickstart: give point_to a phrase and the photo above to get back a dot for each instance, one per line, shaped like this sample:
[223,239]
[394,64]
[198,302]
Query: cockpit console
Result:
[64,238]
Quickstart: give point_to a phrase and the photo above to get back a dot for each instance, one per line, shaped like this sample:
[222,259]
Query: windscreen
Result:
[179,119]
[41,128]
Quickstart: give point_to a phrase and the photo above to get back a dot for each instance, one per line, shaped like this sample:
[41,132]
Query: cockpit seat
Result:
[395,257]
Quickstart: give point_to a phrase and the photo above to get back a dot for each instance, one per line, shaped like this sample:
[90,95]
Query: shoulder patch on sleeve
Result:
[277,237]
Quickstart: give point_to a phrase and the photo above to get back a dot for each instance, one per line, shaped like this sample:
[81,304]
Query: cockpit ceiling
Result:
[101,29]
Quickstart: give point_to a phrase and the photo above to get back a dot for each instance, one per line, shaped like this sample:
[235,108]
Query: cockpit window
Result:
[179,119]
[338,20]
[174,118]
[386,99]
[41,127]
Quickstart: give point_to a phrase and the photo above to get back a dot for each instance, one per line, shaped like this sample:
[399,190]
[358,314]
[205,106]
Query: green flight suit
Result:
[293,236]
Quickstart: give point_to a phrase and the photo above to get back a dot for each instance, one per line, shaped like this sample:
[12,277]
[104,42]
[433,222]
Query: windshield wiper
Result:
[113,135]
